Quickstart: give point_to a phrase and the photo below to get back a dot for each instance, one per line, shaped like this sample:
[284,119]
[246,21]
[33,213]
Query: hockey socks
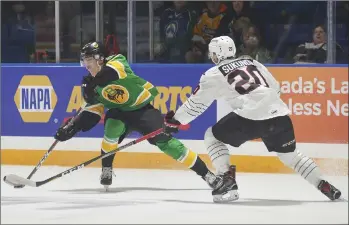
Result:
[195,163]
[303,165]
[113,129]
[307,168]
[218,152]
[179,152]
[107,146]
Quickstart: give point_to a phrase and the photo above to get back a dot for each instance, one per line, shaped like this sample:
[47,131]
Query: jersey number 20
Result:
[246,79]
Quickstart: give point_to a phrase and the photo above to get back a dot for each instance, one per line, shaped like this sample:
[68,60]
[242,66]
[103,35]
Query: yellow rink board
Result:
[141,160]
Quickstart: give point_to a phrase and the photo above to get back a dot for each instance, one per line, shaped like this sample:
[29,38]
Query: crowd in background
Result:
[271,32]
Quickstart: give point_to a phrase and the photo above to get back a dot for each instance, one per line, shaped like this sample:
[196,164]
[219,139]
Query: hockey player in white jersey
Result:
[257,112]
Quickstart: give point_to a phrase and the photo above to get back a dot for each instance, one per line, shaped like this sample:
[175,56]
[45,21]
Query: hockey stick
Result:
[39,164]
[17,180]
[46,154]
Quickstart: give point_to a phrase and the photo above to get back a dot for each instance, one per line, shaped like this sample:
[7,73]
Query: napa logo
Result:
[35,98]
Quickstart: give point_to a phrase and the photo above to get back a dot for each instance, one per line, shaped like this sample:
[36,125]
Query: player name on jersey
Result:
[227,68]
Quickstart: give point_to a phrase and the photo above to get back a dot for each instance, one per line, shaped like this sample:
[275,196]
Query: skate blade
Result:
[230,196]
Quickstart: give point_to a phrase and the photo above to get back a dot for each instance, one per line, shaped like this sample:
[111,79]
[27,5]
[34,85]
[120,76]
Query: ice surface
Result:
[165,196]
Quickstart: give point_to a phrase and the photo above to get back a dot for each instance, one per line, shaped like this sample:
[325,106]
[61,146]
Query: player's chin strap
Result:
[15,180]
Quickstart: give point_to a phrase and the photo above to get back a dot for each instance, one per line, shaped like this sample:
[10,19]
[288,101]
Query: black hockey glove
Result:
[171,125]
[67,131]
[88,89]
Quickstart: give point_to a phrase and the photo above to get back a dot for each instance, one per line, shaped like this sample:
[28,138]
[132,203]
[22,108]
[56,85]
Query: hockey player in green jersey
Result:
[111,84]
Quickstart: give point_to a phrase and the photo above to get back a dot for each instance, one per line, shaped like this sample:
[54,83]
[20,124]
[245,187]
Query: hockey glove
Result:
[171,125]
[88,89]
[66,131]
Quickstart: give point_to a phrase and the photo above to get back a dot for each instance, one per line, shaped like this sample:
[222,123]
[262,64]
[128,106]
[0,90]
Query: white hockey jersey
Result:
[245,84]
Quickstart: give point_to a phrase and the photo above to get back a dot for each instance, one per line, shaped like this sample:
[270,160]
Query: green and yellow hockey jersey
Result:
[121,88]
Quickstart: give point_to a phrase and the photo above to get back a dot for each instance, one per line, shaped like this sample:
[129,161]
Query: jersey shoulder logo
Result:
[116,94]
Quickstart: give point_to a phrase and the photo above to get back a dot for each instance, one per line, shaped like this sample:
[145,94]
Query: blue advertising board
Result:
[36,99]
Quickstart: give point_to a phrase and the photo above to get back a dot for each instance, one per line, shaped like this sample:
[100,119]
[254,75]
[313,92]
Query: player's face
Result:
[214,58]
[91,65]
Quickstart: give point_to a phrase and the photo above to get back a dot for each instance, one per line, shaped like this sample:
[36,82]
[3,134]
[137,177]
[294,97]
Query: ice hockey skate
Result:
[226,189]
[106,178]
[329,190]
[212,180]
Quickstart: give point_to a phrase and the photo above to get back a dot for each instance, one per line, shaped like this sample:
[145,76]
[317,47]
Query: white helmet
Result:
[223,47]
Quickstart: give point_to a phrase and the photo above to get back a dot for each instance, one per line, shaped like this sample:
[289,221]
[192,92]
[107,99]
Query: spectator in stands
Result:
[316,51]
[251,46]
[212,23]
[176,25]
[17,35]
[240,18]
